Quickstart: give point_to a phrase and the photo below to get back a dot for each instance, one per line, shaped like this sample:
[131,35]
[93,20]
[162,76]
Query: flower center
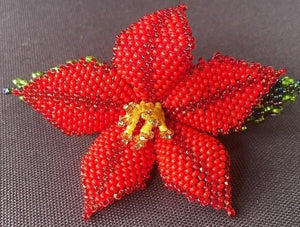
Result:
[152,114]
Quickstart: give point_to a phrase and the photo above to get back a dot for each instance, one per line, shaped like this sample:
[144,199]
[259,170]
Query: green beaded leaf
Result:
[285,90]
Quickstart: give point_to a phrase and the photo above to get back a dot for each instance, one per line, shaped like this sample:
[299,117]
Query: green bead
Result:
[291,80]
[286,81]
[286,98]
[89,58]
[249,119]
[289,98]
[20,83]
[266,109]
[293,98]
[71,61]
[37,74]
[277,110]
[244,128]
[21,98]
[56,68]
[259,120]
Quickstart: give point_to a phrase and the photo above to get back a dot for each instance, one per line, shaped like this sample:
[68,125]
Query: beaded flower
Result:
[153,105]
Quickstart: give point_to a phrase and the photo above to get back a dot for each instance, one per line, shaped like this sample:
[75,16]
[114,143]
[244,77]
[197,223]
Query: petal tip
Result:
[86,215]
[280,72]
[230,211]
[216,54]
[17,92]
[183,6]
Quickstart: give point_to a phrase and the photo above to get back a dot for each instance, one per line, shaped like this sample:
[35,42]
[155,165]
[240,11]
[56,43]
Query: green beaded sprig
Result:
[285,90]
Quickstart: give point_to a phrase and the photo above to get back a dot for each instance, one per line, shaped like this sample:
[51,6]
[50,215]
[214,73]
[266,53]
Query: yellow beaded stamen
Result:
[152,114]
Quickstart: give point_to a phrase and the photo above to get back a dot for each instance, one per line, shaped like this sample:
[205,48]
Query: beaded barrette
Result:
[153,105]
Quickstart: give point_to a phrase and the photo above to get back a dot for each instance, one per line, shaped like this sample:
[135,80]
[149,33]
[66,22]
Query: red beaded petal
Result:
[197,165]
[111,169]
[80,97]
[155,53]
[220,94]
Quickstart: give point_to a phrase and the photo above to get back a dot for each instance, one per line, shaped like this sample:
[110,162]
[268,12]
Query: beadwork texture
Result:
[153,63]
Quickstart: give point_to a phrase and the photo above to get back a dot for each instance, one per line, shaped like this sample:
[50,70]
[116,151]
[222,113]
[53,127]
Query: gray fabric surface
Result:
[40,182]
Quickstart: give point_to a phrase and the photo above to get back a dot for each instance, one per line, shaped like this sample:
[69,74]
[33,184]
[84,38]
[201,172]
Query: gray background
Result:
[40,183]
